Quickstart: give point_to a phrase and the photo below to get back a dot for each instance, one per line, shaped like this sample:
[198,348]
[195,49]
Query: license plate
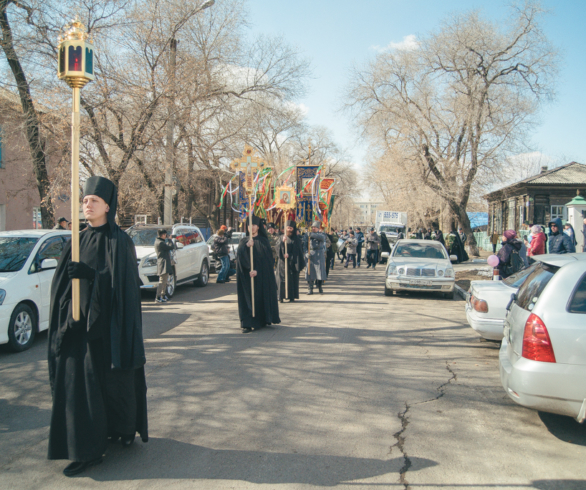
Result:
[419,283]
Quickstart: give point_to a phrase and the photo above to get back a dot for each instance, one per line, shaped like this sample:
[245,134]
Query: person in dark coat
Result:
[163,248]
[96,364]
[559,242]
[385,246]
[61,224]
[315,273]
[427,234]
[439,236]
[266,303]
[457,247]
[359,243]
[295,262]
[509,244]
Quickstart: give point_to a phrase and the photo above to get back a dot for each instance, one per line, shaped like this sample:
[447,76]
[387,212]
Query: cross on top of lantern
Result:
[76,55]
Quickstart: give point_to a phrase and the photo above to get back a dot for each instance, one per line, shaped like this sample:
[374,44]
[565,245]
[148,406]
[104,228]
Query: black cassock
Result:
[295,264]
[96,366]
[265,287]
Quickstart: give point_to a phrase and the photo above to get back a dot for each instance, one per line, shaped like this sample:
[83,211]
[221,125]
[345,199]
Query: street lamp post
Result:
[170,148]
[76,67]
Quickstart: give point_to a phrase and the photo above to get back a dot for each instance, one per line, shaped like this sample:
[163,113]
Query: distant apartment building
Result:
[368,211]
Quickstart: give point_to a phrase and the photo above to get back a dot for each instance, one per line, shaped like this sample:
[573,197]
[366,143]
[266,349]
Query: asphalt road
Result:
[353,390]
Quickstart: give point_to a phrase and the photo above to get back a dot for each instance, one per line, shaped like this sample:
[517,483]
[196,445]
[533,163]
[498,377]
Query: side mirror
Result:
[49,264]
[453,258]
[179,245]
[511,301]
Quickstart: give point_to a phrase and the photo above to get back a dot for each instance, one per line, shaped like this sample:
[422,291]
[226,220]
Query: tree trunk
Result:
[31,120]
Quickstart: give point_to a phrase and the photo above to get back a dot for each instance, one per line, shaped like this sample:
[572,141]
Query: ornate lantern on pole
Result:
[76,67]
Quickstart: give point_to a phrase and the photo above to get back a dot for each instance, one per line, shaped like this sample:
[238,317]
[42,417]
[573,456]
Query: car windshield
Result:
[391,229]
[14,251]
[143,238]
[420,250]
[534,285]
[515,280]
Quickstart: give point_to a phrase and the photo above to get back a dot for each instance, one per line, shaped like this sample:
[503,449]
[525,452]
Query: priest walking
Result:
[266,305]
[316,258]
[292,254]
[96,364]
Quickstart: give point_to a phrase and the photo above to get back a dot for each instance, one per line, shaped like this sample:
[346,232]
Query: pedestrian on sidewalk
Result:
[96,364]
[559,242]
[537,243]
[427,234]
[266,303]
[372,244]
[351,244]
[61,224]
[293,255]
[510,260]
[332,252]
[163,248]
[494,240]
[221,250]
[315,273]
[359,242]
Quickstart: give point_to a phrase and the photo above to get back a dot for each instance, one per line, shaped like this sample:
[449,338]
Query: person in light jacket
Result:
[351,244]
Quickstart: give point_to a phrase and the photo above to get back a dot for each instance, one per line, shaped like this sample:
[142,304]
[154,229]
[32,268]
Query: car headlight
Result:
[401,271]
[392,270]
[2,296]
[449,273]
[150,262]
[440,273]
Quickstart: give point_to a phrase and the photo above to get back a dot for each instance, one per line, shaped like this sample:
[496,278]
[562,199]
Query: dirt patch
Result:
[463,278]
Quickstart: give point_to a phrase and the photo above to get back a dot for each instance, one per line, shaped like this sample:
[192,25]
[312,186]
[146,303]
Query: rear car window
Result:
[534,284]
[515,280]
[578,301]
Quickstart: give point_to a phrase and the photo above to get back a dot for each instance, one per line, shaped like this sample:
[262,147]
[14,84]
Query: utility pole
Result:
[170,148]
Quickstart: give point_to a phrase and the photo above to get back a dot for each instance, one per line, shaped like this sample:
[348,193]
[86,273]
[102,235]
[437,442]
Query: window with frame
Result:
[557,211]
[51,249]
[140,219]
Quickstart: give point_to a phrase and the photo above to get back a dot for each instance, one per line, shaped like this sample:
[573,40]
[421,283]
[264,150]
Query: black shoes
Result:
[220,282]
[320,289]
[309,291]
[246,330]
[78,467]
[127,440]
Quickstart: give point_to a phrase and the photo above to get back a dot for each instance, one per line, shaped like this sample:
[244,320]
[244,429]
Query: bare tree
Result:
[457,105]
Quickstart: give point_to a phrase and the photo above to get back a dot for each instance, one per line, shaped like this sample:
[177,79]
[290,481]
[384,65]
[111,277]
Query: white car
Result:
[486,301]
[420,265]
[234,241]
[543,354]
[191,257]
[28,259]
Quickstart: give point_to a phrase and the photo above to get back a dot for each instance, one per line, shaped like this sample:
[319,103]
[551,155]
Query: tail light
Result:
[479,305]
[536,342]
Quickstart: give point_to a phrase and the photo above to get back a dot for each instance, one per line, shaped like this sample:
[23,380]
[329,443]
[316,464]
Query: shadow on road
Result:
[564,428]
[170,459]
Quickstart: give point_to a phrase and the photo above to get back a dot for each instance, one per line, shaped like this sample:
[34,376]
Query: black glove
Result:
[79,270]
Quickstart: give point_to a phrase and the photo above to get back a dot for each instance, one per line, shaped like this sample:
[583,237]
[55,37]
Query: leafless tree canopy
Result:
[449,112]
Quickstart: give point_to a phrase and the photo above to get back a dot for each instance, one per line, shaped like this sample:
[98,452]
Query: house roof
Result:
[572,173]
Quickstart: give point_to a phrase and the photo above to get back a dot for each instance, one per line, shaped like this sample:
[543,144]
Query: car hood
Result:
[6,277]
[142,252]
[420,262]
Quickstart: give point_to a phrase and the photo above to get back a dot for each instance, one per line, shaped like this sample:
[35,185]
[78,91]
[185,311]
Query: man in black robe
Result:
[385,246]
[265,286]
[293,254]
[96,364]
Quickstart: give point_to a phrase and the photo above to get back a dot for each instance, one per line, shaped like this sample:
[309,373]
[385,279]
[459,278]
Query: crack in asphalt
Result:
[404,418]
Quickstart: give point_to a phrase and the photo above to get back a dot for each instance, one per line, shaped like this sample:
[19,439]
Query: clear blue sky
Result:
[338,34]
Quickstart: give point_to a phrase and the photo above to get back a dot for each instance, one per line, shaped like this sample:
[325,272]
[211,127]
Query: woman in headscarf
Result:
[96,364]
[292,253]
[510,260]
[537,243]
[266,304]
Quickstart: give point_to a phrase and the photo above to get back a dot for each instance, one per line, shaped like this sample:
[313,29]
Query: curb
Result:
[460,292]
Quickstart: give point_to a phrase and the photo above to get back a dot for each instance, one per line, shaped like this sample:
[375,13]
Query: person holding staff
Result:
[290,253]
[96,364]
[315,254]
[266,306]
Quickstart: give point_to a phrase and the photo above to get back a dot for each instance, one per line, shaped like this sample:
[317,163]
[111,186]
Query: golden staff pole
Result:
[286,268]
[75,302]
[251,210]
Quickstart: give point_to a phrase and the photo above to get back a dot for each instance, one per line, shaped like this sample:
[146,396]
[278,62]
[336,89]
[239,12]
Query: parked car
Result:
[234,241]
[191,257]
[419,265]
[543,354]
[28,259]
[486,301]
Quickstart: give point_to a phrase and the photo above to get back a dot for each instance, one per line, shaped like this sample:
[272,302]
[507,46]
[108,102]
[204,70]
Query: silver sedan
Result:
[419,265]
[543,354]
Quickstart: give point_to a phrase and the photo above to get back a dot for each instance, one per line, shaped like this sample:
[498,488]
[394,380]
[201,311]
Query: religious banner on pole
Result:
[306,191]
[326,189]
[248,168]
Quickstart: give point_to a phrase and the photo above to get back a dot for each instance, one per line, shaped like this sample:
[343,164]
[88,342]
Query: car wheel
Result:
[204,275]
[22,328]
[171,282]
[388,292]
